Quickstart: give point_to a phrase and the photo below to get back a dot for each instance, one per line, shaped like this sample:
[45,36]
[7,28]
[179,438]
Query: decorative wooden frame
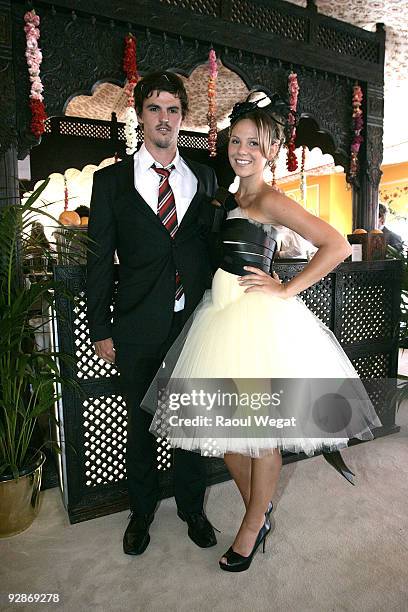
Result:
[261,40]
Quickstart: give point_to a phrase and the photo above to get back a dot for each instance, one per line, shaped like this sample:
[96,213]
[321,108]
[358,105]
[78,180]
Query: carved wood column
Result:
[9,192]
[8,133]
[366,187]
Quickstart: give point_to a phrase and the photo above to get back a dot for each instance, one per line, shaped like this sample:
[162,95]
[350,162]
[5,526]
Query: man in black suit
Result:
[391,237]
[149,210]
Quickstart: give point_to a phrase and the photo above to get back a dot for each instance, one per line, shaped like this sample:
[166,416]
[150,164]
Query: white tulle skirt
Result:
[237,335]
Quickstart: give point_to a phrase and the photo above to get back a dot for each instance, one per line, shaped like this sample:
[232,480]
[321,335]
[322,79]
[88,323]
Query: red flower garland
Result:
[293,87]
[358,124]
[34,58]
[291,159]
[132,77]
[38,116]
[129,59]
[65,193]
[212,103]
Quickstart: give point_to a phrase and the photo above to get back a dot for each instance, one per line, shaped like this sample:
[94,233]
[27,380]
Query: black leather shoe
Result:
[200,529]
[137,538]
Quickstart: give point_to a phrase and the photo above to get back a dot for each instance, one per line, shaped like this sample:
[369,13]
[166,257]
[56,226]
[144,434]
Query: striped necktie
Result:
[167,213]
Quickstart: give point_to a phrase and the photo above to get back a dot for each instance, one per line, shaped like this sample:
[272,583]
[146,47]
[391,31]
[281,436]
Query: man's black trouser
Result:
[137,365]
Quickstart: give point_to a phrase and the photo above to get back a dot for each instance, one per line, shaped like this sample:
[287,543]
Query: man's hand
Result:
[104,350]
[216,203]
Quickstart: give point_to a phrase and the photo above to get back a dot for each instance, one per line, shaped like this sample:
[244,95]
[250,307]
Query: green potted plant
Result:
[28,377]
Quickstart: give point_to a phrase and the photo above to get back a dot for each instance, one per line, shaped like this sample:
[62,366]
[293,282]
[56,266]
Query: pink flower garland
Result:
[293,87]
[132,76]
[34,59]
[212,103]
[358,124]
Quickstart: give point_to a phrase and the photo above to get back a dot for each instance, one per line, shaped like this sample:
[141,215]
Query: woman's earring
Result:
[272,166]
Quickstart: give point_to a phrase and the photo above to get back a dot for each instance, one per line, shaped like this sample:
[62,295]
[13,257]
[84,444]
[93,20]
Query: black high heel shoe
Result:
[269,510]
[239,563]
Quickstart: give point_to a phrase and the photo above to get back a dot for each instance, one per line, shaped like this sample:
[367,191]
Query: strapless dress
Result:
[243,345]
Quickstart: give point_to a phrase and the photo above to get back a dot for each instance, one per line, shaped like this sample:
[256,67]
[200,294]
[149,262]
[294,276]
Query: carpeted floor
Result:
[335,548]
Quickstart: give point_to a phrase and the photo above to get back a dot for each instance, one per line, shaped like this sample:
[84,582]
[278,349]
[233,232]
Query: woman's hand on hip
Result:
[262,282]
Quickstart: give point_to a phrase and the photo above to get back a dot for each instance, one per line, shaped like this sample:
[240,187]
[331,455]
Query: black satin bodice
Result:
[246,243]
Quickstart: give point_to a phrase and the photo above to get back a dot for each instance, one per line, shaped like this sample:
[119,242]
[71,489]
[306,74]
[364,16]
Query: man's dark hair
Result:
[382,210]
[160,81]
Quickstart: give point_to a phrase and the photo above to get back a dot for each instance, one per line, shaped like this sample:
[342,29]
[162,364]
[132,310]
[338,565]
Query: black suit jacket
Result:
[121,220]
[393,239]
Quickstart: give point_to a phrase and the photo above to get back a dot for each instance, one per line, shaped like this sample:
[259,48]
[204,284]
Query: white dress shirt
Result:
[182,181]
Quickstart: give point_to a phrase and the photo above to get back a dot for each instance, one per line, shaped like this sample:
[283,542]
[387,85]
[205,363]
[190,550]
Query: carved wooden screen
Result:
[94,424]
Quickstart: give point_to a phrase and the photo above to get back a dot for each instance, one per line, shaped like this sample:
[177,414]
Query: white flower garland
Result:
[130,130]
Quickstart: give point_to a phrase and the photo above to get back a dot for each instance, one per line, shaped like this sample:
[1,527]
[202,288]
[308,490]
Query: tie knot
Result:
[164,172]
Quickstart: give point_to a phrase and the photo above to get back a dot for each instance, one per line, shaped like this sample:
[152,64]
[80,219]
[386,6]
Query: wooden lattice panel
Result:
[317,298]
[164,455]
[82,127]
[372,366]
[269,20]
[367,309]
[121,133]
[104,425]
[89,130]
[374,369]
[88,365]
[346,44]
[191,141]
[203,7]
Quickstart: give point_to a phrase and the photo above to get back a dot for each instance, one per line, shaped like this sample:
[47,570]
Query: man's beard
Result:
[163,144]
[166,142]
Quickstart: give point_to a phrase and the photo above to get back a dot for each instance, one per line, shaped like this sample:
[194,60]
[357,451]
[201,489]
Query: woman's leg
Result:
[239,466]
[264,478]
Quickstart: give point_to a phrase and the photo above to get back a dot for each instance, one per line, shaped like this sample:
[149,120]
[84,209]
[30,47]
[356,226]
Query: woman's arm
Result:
[332,247]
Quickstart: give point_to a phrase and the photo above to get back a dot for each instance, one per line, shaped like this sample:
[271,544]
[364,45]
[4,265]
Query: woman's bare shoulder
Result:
[273,202]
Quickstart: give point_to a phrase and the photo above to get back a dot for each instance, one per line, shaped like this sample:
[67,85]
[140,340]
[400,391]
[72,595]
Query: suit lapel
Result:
[134,196]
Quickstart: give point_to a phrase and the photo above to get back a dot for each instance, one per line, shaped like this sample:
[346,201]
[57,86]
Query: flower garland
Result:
[293,87]
[303,176]
[65,193]
[212,103]
[272,166]
[34,58]
[358,124]
[130,68]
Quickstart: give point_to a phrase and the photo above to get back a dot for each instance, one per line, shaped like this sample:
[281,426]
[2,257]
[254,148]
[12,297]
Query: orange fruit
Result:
[69,217]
